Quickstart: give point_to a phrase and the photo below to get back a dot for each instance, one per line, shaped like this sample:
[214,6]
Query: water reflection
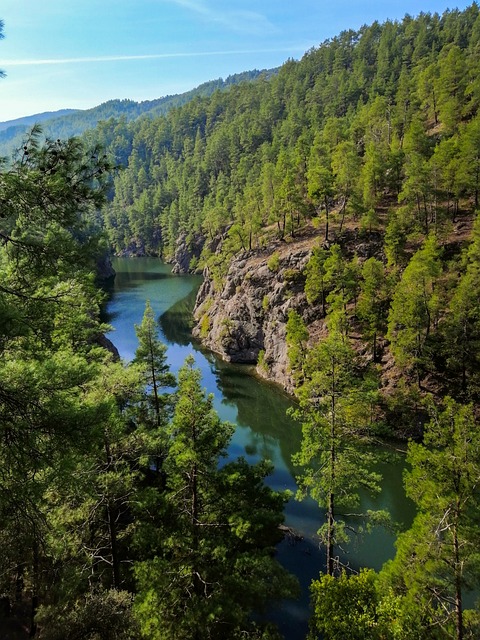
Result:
[176,323]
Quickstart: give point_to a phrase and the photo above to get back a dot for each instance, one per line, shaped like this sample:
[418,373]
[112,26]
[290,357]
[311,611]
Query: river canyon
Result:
[263,429]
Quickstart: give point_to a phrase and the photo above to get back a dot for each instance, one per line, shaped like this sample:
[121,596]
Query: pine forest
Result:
[119,516]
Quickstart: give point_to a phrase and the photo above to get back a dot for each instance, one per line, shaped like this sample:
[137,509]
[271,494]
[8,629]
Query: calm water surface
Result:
[263,429]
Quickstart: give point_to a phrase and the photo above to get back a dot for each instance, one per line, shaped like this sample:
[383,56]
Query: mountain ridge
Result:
[67,123]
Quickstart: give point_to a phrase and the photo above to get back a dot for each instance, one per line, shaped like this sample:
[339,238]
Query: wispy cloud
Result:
[241,21]
[149,56]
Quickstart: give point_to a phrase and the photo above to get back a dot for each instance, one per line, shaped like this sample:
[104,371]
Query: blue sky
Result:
[63,54]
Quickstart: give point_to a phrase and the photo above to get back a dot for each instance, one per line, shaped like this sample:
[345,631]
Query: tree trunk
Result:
[331,494]
[35,576]
[435,112]
[330,533]
[477,178]
[326,221]
[458,587]
[344,208]
[112,528]
[155,392]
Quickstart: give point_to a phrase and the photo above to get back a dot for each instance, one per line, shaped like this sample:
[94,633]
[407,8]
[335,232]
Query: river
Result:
[263,429]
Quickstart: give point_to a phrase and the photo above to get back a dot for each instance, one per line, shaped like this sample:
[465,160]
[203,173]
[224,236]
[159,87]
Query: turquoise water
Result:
[263,428]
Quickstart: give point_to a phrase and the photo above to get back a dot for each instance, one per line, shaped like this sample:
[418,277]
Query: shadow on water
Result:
[176,323]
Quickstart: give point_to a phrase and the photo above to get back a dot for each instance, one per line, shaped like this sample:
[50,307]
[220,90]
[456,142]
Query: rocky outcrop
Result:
[244,318]
[107,344]
[104,268]
[133,250]
[187,253]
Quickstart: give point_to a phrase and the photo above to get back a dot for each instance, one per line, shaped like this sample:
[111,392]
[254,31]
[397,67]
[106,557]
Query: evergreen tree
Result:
[345,608]
[320,181]
[315,285]
[49,355]
[461,326]
[215,567]
[151,356]
[413,312]
[372,303]
[436,562]
[335,413]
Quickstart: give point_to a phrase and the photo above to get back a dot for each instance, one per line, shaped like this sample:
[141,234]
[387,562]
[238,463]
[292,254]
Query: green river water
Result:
[263,428]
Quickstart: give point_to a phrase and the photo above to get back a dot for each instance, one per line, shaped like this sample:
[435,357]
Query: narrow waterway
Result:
[263,428]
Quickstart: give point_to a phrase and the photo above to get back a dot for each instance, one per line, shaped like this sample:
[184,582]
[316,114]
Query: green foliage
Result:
[219,525]
[373,301]
[50,356]
[151,356]
[421,592]
[273,263]
[315,286]
[335,408]
[369,221]
[105,615]
[437,560]
[462,323]
[296,338]
[262,363]
[396,234]
[204,325]
[414,308]
[345,608]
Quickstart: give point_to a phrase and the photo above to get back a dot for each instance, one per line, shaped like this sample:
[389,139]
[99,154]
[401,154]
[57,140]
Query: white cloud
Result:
[153,56]
[241,21]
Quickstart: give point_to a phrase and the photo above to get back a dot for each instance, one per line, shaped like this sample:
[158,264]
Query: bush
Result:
[273,263]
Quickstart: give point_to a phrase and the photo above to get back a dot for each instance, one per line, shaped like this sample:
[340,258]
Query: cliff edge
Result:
[243,317]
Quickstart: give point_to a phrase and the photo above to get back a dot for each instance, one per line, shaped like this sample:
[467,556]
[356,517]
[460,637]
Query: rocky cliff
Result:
[187,252]
[244,318]
[104,268]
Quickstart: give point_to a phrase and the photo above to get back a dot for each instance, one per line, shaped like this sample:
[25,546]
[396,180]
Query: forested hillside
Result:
[371,145]
[333,207]
[374,135]
[74,123]
[370,120]
[366,155]
[35,119]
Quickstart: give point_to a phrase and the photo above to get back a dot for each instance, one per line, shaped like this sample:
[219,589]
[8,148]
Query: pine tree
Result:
[372,303]
[436,562]
[215,566]
[335,413]
[413,312]
[151,355]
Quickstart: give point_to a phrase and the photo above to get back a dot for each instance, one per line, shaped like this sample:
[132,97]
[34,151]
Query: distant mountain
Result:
[71,122]
[28,121]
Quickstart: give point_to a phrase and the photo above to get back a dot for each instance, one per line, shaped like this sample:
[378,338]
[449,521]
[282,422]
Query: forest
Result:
[74,122]
[117,519]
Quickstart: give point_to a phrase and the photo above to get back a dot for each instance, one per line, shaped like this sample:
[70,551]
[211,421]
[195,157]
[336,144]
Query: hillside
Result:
[332,208]
[68,123]
[371,140]
[28,121]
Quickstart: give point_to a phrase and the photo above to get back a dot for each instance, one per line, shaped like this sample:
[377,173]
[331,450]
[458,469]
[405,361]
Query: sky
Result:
[60,54]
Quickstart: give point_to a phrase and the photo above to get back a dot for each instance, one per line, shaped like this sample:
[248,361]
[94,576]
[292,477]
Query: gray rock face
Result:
[105,270]
[184,252]
[243,319]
